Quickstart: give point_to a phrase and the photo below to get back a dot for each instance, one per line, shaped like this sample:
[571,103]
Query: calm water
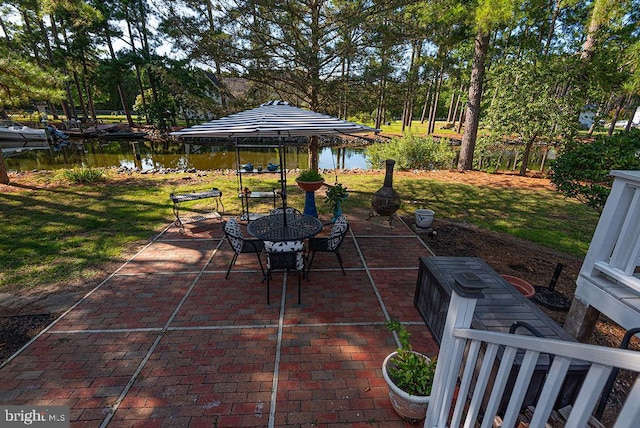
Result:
[147,155]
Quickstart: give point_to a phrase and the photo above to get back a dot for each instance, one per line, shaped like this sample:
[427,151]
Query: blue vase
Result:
[337,211]
[310,204]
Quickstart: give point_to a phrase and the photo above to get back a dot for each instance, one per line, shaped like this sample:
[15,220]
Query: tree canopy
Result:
[374,60]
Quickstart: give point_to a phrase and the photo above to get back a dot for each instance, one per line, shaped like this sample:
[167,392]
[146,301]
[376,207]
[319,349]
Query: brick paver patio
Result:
[168,341]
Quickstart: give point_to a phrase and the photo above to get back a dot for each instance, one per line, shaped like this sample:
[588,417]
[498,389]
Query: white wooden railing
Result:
[609,280]
[468,389]
[615,247]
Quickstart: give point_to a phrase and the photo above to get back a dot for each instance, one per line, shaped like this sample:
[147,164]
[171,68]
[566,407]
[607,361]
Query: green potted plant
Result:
[309,180]
[409,375]
[335,195]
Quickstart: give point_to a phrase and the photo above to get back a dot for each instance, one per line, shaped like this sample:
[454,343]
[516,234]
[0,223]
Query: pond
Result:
[146,155]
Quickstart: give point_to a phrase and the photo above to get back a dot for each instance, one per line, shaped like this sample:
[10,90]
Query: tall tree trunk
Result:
[450,111]
[313,148]
[407,111]
[525,156]
[347,82]
[631,115]
[76,79]
[121,92]
[31,37]
[156,99]
[54,112]
[589,45]
[616,115]
[455,112]
[47,44]
[74,73]
[87,86]
[212,27]
[426,102]
[314,71]
[472,116]
[153,81]
[68,106]
[342,97]
[436,98]
[381,102]
[461,120]
[345,74]
[552,27]
[432,102]
[145,106]
[4,177]
[6,33]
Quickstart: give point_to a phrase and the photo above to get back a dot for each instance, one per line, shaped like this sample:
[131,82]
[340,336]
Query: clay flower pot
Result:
[521,285]
[310,186]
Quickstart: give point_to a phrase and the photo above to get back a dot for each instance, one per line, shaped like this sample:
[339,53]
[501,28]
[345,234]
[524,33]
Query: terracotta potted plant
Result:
[309,180]
[409,376]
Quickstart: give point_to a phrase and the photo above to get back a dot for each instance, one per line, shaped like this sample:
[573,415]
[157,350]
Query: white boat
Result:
[13,134]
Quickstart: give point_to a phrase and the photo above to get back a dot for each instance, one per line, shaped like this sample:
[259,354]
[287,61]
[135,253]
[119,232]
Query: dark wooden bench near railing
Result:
[501,306]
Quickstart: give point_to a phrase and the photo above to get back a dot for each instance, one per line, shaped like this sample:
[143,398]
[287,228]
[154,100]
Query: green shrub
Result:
[84,175]
[582,170]
[410,372]
[412,152]
[309,176]
[362,117]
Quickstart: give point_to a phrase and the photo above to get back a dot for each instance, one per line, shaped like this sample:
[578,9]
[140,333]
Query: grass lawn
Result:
[55,232]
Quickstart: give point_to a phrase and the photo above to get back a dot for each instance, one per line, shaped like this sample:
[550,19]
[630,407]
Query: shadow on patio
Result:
[167,341]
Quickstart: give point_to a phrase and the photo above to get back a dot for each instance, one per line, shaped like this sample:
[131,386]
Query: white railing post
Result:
[467,288]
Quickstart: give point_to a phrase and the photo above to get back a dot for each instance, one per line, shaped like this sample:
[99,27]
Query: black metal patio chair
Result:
[331,243]
[285,255]
[289,210]
[240,244]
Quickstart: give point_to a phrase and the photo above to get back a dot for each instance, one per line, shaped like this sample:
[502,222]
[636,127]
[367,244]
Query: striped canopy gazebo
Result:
[274,119]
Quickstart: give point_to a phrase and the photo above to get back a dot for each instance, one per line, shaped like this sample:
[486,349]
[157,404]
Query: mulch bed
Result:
[18,326]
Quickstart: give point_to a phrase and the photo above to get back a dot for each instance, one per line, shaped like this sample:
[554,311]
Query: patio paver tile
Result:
[171,256]
[129,301]
[331,297]
[215,361]
[383,252]
[397,288]
[89,383]
[236,381]
[239,300]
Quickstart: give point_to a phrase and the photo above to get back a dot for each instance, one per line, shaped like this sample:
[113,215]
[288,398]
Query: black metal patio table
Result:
[284,227]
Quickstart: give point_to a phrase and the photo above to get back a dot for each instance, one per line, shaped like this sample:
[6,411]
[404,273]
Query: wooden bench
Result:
[179,199]
[500,308]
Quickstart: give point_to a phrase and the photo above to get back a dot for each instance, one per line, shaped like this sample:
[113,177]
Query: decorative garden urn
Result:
[386,201]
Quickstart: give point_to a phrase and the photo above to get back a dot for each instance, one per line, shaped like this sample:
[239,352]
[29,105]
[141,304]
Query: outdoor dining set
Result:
[282,235]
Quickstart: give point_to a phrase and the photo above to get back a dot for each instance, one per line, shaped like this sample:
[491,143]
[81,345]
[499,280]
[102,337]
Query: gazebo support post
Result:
[283,177]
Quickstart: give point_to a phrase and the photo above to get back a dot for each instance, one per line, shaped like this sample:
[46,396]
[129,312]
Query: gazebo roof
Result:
[274,119]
